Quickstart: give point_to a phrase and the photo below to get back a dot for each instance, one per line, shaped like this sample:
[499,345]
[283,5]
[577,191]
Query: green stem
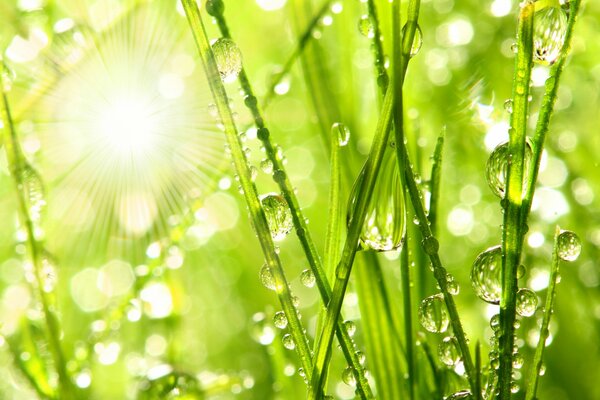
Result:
[434,183]
[513,229]
[534,373]
[281,178]
[241,165]
[17,163]
[408,324]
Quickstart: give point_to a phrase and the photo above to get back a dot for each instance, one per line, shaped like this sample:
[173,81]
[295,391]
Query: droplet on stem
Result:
[228,58]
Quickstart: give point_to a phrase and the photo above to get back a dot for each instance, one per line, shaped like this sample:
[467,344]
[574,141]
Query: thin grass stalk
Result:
[436,373]
[344,267]
[17,163]
[512,228]
[241,165]
[281,178]
[435,183]
[382,76]
[408,318]
[534,373]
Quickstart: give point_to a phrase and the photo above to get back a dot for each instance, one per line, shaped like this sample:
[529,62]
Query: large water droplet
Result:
[228,58]
[448,351]
[348,376]
[417,40]
[288,342]
[486,275]
[342,132]
[280,320]
[267,166]
[34,191]
[569,246]
[433,315]
[497,168]
[278,215]
[385,221]
[550,29]
[267,278]
[460,395]
[452,285]
[366,26]
[527,302]
[307,278]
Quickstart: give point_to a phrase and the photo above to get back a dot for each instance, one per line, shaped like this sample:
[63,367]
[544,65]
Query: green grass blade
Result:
[405,282]
[250,193]
[512,227]
[435,183]
[534,373]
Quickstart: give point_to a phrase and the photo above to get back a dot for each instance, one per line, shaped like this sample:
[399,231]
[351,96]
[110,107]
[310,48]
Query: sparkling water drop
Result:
[385,221]
[431,245]
[280,320]
[342,132]
[267,278]
[288,342]
[497,168]
[366,26]
[162,382]
[448,351]
[550,29]
[307,278]
[228,58]
[417,40]
[460,395]
[495,322]
[361,357]
[433,315]
[517,360]
[266,166]
[35,194]
[452,285]
[279,217]
[508,106]
[486,275]
[527,302]
[569,246]
[350,327]
[348,376]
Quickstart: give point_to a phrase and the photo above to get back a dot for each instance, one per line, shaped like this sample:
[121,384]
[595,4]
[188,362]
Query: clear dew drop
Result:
[448,351]
[431,245]
[417,40]
[267,278]
[517,360]
[288,342]
[568,246]
[366,26]
[495,322]
[497,168]
[550,29]
[266,166]
[508,106]
[350,327]
[342,132]
[485,275]
[35,194]
[385,220]
[163,382]
[527,302]
[452,285]
[361,357]
[228,58]
[280,320]
[348,376]
[460,395]
[433,314]
[278,214]
[307,278]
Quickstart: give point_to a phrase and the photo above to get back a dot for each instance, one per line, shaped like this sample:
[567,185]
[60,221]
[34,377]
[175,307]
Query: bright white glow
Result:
[539,74]
[126,124]
[549,204]
[107,353]
[157,300]
[496,134]
[535,239]
[500,8]
[455,33]
[271,5]
[460,221]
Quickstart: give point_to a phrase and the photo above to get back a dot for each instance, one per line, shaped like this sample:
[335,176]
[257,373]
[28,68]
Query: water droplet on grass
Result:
[307,278]
[279,217]
[497,168]
[448,351]
[452,285]
[569,246]
[266,166]
[350,327]
[527,302]
[433,315]
[288,342]
[508,106]
[228,58]
[342,132]
[280,320]
[35,194]
[485,275]
[417,40]
[366,26]
[460,395]
[348,376]
[385,220]
[550,29]
[267,278]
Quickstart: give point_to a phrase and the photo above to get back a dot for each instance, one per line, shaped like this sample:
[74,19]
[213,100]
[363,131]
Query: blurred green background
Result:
[156,259]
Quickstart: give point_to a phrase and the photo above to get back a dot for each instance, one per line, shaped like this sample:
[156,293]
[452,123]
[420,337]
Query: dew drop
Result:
[266,166]
[485,275]
[307,278]
[288,342]
[527,302]
[163,382]
[385,220]
[342,132]
[417,40]
[280,320]
[497,168]
[348,376]
[448,351]
[366,26]
[278,214]
[228,58]
[460,395]
[508,106]
[35,194]
[452,285]
[350,327]
[550,29]
[517,360]
[431,245]
[569,246]
[267,278]
[495,322]
[361,357]
[433,315]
